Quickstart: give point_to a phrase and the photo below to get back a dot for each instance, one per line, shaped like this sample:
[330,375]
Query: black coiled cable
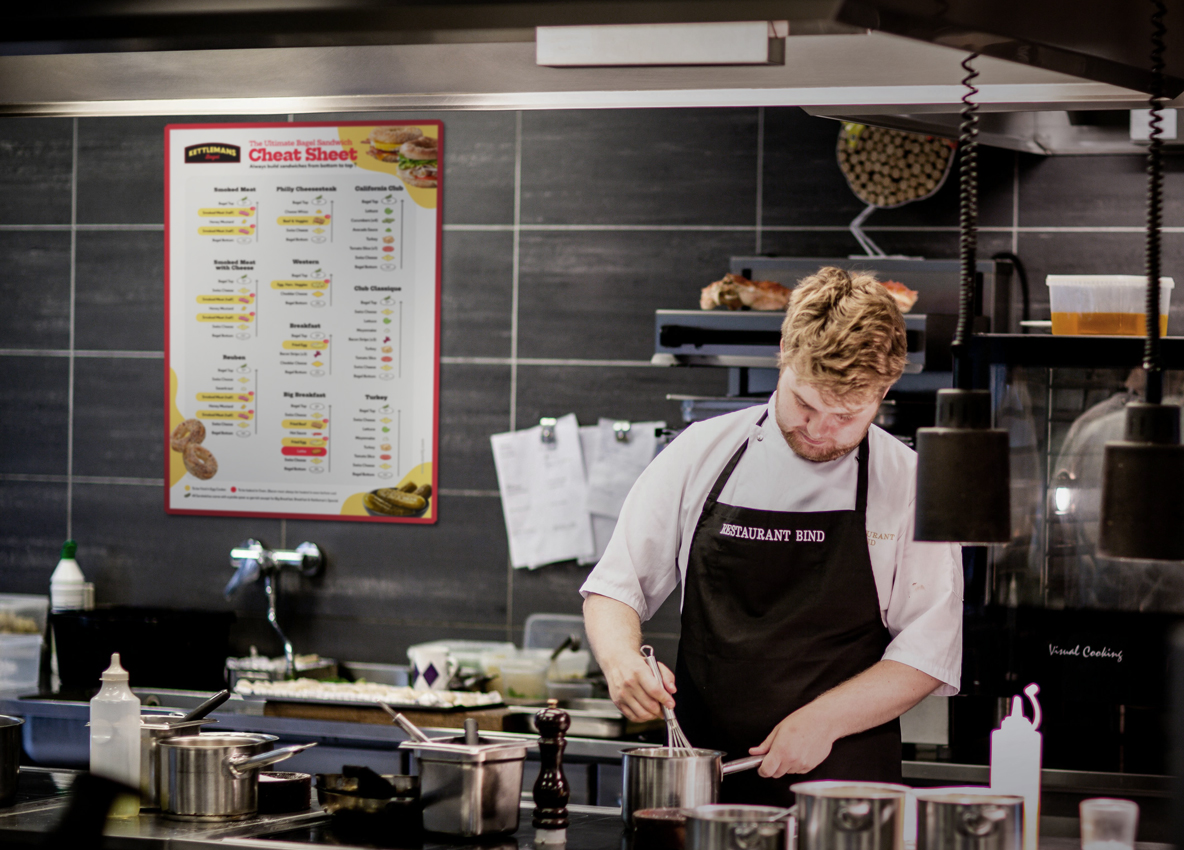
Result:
[1151,358]
[967,224]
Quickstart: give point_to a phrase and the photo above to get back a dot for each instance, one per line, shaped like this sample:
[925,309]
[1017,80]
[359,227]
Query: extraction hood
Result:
[101,57]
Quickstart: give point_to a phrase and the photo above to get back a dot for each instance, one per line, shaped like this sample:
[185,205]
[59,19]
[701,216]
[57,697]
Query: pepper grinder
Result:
[551,791]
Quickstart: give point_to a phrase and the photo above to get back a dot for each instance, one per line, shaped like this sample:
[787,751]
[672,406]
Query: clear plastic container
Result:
[20,662]
[1104,304]
[570,665]
[524,677]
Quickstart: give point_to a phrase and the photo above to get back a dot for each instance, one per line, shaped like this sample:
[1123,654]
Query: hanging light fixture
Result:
[1142,512]
[963,471]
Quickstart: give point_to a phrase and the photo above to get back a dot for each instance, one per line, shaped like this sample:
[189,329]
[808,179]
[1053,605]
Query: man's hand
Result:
[614,630]
[797,744]
[802,741]
[634,690]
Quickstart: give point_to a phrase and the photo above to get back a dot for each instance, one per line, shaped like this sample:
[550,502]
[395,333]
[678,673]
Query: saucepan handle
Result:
[240,766]
[746,763]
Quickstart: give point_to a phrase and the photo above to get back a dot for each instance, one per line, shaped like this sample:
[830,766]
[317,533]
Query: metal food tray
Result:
[359,703]
[590,718]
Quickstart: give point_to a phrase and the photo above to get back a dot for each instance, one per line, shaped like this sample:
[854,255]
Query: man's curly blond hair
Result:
[843,335]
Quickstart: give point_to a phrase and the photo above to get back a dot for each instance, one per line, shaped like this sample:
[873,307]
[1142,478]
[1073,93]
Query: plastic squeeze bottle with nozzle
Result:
[1015,761]
[115,736]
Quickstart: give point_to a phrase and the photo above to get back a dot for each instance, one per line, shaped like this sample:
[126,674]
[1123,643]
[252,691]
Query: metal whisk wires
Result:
[675,739]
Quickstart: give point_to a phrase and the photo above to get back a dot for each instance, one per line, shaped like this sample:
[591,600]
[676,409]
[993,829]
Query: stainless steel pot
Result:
[213,776]
[10,755]
[665,777]
[969,819]
[153,730]
[469,790]
[725,827]
[837,815]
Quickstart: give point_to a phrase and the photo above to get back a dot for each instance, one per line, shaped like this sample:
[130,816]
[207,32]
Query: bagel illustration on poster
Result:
[302,300]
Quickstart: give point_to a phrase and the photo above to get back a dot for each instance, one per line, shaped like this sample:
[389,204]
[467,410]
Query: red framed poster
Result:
[302,320]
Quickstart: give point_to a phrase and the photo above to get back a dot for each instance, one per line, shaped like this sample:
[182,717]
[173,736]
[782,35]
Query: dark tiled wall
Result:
[588,221]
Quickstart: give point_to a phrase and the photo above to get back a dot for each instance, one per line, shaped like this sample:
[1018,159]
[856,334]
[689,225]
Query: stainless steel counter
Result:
[593,765]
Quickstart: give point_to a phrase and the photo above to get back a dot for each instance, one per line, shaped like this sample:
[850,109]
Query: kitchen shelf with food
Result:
[365,694]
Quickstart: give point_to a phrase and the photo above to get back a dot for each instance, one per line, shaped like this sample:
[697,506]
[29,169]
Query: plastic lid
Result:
[1132,280]
[114,673]
[69,549]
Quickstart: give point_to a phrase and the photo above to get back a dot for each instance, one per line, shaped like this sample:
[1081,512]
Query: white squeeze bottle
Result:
[1015,761]
[115,736]
[67,585]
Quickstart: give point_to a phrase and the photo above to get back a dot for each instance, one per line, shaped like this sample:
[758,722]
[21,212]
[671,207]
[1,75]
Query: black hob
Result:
[591,828]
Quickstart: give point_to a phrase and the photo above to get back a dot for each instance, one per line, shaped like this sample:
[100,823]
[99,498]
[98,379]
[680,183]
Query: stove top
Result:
[591,828]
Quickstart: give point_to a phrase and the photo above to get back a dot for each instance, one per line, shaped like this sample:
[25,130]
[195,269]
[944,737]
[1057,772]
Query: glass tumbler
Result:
[1108,824]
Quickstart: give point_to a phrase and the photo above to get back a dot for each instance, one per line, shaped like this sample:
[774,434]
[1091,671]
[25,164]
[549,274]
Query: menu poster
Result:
[302,275]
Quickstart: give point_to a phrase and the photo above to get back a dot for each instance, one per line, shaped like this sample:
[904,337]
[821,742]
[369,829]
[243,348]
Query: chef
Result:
[811,619]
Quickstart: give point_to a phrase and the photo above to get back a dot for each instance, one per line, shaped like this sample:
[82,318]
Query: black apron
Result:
[779,607]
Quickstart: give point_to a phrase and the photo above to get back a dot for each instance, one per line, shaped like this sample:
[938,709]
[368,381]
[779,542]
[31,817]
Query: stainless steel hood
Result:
[98,57]
[865,72]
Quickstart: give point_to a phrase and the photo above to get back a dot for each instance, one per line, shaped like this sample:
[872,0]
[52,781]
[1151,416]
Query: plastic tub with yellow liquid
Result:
[1105,303]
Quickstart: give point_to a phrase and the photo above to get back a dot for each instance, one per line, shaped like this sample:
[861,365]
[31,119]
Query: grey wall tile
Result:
[119,417]
[932,245]
[474,403]
[136,554]
[477,294]
[620,392]
[35,170]
[453,571]
[119,291]
[553,589]
[34,408]
[1097,191]
[592,295]
[35,289]
[802,181]
[31,534]
[633,166]
[478,161]
[121,166]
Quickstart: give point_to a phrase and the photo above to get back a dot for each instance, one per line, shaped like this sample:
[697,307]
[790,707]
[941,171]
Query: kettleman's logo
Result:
[773,535]
[213,152]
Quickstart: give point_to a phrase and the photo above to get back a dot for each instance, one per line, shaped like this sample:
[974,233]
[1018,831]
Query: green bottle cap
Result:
[69,548]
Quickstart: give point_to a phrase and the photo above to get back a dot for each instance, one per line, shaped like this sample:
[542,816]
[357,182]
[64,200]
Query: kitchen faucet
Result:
[251,559]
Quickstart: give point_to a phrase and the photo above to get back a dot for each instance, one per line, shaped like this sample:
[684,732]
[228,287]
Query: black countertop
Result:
[591,828]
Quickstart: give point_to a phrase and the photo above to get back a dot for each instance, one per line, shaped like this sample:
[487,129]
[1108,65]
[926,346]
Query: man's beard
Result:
[819,454]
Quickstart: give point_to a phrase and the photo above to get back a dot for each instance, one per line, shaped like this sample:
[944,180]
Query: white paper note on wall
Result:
[618,464]
[544,494]
[602,526]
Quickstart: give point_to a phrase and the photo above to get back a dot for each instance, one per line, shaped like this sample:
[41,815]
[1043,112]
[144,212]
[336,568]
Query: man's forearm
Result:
[613,628]
[881,693]
[801,741]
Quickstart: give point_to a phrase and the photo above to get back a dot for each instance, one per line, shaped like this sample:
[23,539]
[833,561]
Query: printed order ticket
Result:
[302,275]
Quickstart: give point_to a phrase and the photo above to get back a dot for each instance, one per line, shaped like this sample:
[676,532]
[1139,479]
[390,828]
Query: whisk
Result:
[675,739]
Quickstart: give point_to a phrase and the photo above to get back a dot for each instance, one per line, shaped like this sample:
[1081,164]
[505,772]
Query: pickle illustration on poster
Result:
[302,278]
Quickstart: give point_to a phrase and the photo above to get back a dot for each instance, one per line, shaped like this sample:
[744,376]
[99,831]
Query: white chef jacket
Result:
[919,585]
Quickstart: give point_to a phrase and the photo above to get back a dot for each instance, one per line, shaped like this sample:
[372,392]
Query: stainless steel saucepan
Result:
[840,815]
[214,777]
[724,827]
[664,777]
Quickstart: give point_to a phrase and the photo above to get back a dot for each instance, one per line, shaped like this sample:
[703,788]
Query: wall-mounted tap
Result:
[251,560]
